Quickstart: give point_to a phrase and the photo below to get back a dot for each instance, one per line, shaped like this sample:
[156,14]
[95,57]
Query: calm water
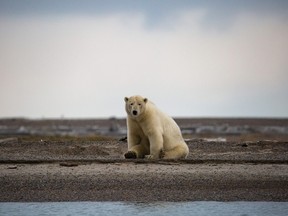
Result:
[134,208]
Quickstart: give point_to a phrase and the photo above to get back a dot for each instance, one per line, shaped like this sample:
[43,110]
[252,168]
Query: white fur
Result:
[151,133]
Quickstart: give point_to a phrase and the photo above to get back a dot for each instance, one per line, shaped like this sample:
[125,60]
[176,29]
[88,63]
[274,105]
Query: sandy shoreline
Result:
[243,167]
[86,172]
[144,182]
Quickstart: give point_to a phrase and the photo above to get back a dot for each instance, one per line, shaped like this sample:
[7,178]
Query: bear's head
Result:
[135,105]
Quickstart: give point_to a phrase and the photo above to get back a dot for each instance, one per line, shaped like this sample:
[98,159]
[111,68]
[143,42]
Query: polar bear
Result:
[151,133]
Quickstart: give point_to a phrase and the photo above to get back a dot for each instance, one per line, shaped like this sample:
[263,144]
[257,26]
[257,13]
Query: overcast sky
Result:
[79,59]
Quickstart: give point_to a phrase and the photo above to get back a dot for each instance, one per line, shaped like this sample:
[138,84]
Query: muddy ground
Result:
[229,160]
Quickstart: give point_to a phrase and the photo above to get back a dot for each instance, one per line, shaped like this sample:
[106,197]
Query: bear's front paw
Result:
[130,155]
[161,154]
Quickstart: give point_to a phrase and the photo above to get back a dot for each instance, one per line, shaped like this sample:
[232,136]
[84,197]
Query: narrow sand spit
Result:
[252,167]
[128,181]
[70,172]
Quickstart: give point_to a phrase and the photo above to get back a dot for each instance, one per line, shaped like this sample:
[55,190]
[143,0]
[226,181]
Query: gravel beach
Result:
[144,182]
[246,167]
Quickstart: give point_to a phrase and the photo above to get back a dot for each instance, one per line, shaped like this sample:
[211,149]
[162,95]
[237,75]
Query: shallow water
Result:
[136,208]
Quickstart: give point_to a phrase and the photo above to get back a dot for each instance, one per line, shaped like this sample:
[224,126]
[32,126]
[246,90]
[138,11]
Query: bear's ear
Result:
[145,100]
[126,99]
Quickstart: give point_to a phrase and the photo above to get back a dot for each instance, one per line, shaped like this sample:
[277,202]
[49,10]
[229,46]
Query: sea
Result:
[142,208]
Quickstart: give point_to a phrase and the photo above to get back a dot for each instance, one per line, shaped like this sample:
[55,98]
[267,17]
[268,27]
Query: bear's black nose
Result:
[134,112]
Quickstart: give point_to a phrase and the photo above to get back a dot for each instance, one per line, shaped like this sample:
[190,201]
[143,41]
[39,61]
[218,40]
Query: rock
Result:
[123,139]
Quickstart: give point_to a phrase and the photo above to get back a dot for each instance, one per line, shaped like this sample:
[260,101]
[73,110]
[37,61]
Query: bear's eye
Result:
[131,104]
[139,104]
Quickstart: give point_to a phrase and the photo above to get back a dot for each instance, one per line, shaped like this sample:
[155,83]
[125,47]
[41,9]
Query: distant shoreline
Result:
[117,126]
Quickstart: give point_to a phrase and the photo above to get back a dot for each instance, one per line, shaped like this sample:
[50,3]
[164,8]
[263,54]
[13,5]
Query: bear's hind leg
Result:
[179,152]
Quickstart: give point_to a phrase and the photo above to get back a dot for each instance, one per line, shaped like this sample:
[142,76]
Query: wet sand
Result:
[128,181]
[234,168]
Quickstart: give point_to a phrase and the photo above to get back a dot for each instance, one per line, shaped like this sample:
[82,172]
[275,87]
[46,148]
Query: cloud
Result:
[83,66]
